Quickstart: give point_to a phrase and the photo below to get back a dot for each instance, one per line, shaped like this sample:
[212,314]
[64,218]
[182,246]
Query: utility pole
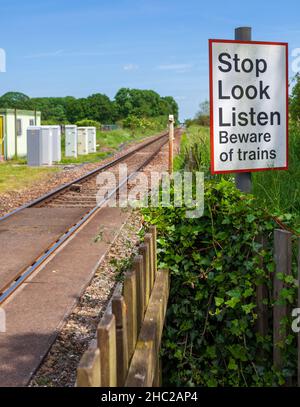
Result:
[243,179]
[171,138]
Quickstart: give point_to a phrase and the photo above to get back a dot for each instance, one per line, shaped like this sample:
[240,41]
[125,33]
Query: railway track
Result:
[45,224]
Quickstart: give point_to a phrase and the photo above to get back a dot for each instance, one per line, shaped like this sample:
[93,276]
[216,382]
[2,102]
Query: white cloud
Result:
[179,98]
[78,53]
[179,68]
[130,67]
[46,54]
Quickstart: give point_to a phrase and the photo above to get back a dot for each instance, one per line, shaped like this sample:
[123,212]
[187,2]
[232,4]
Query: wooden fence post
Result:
[283,262]
[261,295]
[143,365]
[119,311]
[140,287]
[130,294]
[144,251]
[106,335]
[149,243]
[88,371]
[157,381]
[153,231]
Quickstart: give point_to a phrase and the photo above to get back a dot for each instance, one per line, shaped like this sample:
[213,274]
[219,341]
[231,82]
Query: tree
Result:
[144,103]
[204,108]
[140,103]
[57,114]
[202,117]
[294,102]
[76,109]
[172,106]
[123,103]
[100,108]
[15,100]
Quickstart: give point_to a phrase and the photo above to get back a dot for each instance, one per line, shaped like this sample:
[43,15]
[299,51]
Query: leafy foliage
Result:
[98,107]
[13,100]
[216,264]
[88,123]
[279,191]
[143,103]
[202,117]
[194,150]
[276,191]
[294,101]
[135,123]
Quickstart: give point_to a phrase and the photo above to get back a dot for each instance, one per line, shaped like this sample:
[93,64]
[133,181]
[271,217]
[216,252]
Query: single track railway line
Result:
[45,224]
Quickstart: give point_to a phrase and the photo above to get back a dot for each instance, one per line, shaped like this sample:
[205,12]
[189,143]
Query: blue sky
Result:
[80,47]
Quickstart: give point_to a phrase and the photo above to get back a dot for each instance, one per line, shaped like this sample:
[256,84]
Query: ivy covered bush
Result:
[216,263]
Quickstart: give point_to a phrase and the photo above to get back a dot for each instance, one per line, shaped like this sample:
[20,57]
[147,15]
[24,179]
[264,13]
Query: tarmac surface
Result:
[36,311]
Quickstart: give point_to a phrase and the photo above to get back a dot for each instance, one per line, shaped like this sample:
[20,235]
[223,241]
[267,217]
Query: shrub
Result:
[216,265]
[88,123]
[135,123]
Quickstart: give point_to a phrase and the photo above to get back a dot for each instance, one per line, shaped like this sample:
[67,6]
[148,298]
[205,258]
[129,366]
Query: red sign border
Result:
[212,169]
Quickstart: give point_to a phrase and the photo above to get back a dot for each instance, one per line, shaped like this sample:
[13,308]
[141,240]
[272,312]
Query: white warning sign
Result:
[248,105]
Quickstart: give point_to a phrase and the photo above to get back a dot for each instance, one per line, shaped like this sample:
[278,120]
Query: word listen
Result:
[260,91]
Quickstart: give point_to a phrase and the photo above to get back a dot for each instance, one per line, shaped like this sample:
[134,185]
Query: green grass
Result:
[194,150]
[15,177]
[88,158]
[108,143]
[280,190]
[277,191]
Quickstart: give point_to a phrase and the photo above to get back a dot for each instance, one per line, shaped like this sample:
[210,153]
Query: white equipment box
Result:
[39,145]
[71,141]
[56,143]
[91,139]
[82,145]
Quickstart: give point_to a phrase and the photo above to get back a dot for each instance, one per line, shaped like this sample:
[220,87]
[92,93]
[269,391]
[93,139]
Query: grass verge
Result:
[15,176]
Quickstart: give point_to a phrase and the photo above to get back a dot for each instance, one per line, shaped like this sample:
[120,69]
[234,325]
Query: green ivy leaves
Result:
[216,265]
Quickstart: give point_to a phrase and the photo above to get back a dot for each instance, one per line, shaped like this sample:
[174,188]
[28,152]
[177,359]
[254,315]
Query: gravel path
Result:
[59,367]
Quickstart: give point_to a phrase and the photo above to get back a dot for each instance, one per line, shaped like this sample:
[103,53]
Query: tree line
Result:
[99,107]
[202,117]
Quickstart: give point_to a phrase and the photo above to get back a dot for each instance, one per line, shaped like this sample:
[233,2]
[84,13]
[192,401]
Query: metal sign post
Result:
[171,138]
[243,180]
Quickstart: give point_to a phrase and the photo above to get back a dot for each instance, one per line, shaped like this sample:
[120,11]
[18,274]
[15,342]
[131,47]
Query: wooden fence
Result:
[283,244]
[126,352]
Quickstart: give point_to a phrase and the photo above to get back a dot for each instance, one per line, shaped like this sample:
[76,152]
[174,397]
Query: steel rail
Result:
[23,275]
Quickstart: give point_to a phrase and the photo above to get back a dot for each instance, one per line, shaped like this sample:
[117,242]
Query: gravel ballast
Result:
[68,173]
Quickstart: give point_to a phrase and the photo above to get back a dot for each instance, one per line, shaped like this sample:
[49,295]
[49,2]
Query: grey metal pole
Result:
[243,179]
